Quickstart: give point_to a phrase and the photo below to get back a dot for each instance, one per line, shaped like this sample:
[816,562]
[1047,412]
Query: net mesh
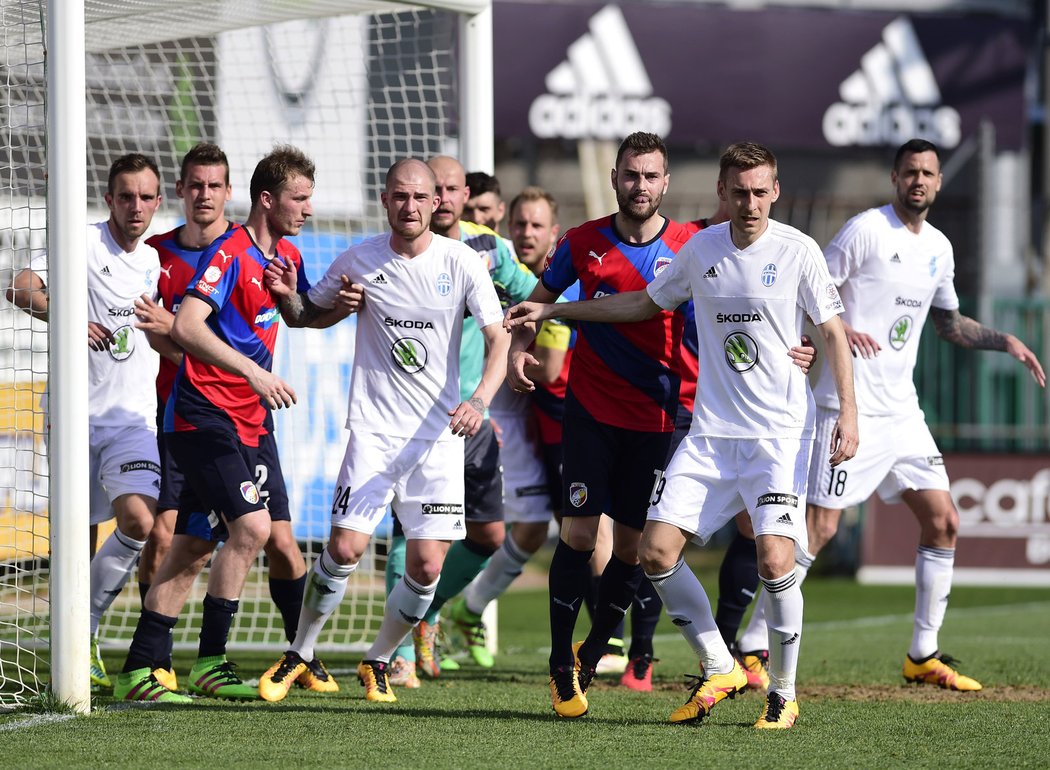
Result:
[355,91]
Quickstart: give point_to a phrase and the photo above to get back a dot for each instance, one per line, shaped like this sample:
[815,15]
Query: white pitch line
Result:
[35,721]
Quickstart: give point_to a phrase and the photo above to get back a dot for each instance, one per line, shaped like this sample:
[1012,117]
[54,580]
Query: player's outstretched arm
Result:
[192,334]
[953,326]
[627,307]
[467,417]
[350,299]
[28,292]
[844,438]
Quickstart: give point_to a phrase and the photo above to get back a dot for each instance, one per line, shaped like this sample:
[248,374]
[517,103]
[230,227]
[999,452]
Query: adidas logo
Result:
[895,259]
[892,97]
[602,90]
[380,280]
[105,271]
[711,272]
[322,588]
[792,640]
[785,519]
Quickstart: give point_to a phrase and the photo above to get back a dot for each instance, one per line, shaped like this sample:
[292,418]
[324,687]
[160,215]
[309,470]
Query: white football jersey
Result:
[122,380]
[750,306]
[405,377]
[889,278]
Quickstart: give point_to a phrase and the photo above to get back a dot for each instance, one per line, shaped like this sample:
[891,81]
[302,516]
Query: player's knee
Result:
[425,573]
[135,514]
[655,557]
[943,526]
[530,538]
[159,543]
[251,531]
[488,537]
[776,556]
[578,537]
[345,550]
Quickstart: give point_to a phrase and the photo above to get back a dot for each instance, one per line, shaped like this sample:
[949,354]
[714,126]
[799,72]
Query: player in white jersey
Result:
[751,280]
[122,367]
[405,416]
[894,269]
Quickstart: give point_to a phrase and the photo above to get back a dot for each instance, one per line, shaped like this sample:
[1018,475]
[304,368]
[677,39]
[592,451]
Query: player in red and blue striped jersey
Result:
[218,422]
[621,406]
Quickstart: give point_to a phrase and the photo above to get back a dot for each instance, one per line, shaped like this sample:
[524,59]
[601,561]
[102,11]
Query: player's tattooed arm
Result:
[953,326]
[297,309]
[967,333]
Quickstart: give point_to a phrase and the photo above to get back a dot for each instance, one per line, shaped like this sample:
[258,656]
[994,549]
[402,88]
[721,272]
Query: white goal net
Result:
[356,85]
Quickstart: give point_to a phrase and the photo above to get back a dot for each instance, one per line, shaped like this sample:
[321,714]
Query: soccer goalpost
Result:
[356,84]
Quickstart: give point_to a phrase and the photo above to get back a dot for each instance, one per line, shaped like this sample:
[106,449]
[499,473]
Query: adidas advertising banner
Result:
[1004,525]
[788,77]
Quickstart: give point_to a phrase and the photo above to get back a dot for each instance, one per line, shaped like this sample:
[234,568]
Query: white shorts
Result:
[896,453]
[525,494]
[122,461]
[424,478]
[710,480]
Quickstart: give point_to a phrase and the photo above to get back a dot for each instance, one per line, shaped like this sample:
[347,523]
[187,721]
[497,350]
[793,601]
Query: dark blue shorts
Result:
[482,476]
[225,479]
[609,470]
[171,479]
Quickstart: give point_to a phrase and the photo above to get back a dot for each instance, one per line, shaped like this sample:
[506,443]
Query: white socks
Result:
[503,568]
[325,588]
[688,607]
[110,568]
[783,602]
[406,605]
[756,635]
[933,583]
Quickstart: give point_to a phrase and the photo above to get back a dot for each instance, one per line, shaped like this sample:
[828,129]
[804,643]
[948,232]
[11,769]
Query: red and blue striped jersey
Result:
[177,268]
[627,375]
[230,278]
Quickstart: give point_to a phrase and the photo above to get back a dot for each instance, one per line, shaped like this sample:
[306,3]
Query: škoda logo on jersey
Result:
[900,332]
[602,90]
[410,354]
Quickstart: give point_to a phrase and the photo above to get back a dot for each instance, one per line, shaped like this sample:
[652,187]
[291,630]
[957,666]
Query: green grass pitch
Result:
[856,710]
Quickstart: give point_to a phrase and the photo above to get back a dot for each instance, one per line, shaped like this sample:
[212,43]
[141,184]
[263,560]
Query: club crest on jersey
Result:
[444,284]
[769,275]
[661,263]
[900,332]
[834,300]
[123,344]
[577,493]
[410,354]
[249,492]
[741,351]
